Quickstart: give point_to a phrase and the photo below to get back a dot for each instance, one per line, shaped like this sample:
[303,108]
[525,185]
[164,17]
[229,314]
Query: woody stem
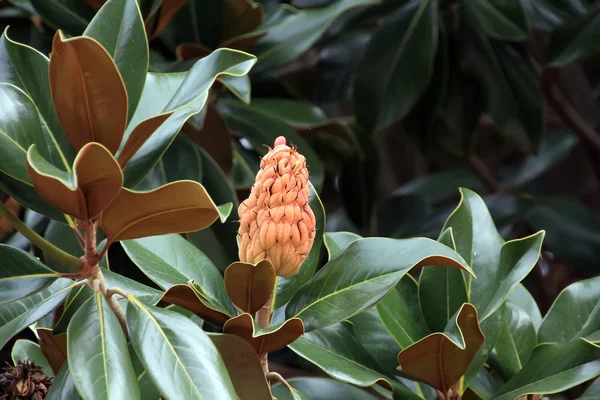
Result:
[263,319]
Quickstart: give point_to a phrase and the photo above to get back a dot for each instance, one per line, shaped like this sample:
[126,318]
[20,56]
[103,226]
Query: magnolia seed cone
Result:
[276,221]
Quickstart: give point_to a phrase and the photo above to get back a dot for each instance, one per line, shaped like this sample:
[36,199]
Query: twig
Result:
[483,172]
[263,319]
[277,377]
[54,252]
[565,110]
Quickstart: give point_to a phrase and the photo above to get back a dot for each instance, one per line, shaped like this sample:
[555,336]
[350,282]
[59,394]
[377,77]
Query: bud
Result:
[276,221]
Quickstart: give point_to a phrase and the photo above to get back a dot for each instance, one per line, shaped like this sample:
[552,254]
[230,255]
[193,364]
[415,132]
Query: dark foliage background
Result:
[395,103]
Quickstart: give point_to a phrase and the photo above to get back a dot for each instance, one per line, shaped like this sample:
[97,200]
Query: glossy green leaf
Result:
[76,298]
[98,356]
[513,98]
[27,69]
[491,328]
[239,86]
[554,148]
[290,36]
[401,314]
[592,392]
[376,339]
[573,233]
[28,351]
[287,287]
[141,292]
[553,368]
[499,266]
[547,15]
[397,65]
[321,389]
[262,129]
[70,15]
[179,357]
[338,241]
[521,297]
[575,40]
[338,352]
[171,260]
[21,274]
[517,340]
[361,275]
[574,314]
[438,186]
[499,19]
[298,113]
[63,386]
[183,95]
[442,291]
[485,383]
[119,28]
[19,314]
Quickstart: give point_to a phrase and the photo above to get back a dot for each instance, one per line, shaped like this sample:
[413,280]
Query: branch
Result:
[48,248]
[263,319]
[565,110]
[483,172]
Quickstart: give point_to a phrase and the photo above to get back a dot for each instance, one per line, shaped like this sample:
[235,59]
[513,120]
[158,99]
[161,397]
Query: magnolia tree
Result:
[81,133]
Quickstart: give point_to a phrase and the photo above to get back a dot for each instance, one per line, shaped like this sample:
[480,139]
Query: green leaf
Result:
[295,32]
[499,266]
[27,69]
[513,98]
[179,357]
[169,93]
[553,368]
[439,186]
[26,350]
[62,386]
[119,28]
[575,40]
[397,65]
[198,22]
[338,241]
[591,392]
[141,292]
[521,298]
[554,148]
[262,129]
[485,383]
[287,287]
[298,113]
[573,233]
[401,313]
[76,298]
[491,328]
[239,86]
[574,314]
[442,291]
[517,340]
[63,237]
[338,352]
[499,19]
[361,275]
[171,260]
[21,274]
[321,389]
[547,15]
[70,15]
[19,314]
[98,356]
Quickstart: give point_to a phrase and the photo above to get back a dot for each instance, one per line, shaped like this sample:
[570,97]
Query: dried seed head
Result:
[276,221]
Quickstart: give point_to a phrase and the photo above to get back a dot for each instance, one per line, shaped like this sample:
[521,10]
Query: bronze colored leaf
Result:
[437,360]
[53,347]
[188,298]
[244,367]
[250,286]
[98,177]
[177,207]
[140,134]
[241,16]
[167,11]
[96,4]
[88,92]
[265,341]
[214,137]
[95,182]
[190,51]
